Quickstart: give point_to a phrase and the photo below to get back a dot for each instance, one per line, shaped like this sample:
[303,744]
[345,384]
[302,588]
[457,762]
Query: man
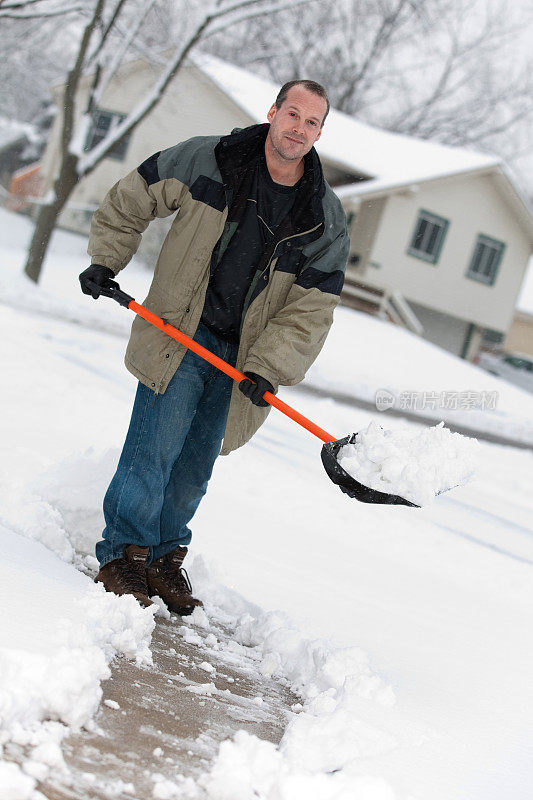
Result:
[252,269]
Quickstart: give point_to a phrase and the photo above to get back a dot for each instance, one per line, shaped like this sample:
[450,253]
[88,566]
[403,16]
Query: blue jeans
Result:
[168,456]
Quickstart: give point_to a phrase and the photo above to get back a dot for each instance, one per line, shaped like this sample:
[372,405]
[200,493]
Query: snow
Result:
[60,632]
[525,299]
[415,466]
[367,358]
[54,653]
[249,768]
[15,784]
[404,631]
[77,142]
[12,131]
[381,155]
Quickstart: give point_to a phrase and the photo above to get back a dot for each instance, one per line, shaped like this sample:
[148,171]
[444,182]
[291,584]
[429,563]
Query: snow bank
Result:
[15,785]
[59,633]
[313,668]
[74,488]
[345,715]
[249,768]
[415,465]
[61,505]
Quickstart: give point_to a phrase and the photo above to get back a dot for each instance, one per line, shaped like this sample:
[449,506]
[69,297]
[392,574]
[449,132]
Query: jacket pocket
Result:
[162,303]
[148,345]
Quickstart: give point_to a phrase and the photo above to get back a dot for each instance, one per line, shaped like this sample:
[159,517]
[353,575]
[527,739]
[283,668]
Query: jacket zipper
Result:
[267,268]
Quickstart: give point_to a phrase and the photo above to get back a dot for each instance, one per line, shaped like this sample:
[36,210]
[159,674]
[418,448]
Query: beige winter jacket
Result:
[289,308]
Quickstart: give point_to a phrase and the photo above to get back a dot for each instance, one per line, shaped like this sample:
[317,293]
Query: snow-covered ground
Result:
[405,631]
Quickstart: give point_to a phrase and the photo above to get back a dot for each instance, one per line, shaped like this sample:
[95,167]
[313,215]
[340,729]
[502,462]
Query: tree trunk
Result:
[47,218]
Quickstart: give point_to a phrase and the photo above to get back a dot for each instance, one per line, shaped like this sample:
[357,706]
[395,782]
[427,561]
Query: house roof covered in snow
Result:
[386,161]
[386,158]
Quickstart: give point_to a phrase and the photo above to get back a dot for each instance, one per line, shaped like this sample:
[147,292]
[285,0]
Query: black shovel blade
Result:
[349,485]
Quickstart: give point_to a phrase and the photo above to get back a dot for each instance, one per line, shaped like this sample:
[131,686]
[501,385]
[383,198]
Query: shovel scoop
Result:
[348,484]
[331,446]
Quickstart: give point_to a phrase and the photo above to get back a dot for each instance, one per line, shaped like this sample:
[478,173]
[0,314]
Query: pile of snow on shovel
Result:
[414,465]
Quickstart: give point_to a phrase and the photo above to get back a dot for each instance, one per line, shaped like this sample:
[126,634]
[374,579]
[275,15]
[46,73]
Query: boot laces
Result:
[186,580]
[179,577]
[133,576]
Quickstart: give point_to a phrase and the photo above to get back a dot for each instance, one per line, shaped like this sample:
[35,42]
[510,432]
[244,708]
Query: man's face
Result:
[296,126]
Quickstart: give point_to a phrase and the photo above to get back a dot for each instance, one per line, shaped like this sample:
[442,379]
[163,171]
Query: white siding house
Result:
[456,248]
[443,231]
[519,338]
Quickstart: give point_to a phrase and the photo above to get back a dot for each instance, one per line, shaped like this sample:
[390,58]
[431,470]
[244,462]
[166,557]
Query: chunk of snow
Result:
[248,768]
[202,688]
[189,636]
[199,618]
[14,784]
[165,789]
[161,609]
[414,465]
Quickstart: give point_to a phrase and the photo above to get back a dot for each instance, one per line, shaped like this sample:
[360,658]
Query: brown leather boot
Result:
[167,578]
[127,575]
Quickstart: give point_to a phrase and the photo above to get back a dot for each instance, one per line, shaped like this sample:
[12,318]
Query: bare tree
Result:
[446,70]
[341,44]
[34,52]
[110,30]
[37,9]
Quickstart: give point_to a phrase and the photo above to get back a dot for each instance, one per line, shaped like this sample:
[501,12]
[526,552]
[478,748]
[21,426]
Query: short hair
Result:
[311,86]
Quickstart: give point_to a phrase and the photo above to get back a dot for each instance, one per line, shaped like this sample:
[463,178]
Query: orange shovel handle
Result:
[170,330]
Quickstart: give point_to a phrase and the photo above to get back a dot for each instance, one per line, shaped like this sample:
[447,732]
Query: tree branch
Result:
[88,162]
[97,91]
[281,6]
[73,78]
[107,31]
[22,4]
[8,14]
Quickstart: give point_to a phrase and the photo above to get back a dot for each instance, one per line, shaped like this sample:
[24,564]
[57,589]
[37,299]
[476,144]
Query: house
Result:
[16,139]
[519,338]
[449,230]
[440,236]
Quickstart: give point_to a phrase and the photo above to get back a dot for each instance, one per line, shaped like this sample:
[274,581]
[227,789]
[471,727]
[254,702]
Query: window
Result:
[485,260]
[519,363]
[428,237]
[104,123]
[492,339]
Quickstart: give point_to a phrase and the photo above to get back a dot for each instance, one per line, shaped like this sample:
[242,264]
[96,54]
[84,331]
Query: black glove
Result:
[96,274]
[255,391]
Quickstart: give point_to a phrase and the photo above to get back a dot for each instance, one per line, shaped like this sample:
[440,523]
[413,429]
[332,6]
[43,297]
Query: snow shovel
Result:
[331,446]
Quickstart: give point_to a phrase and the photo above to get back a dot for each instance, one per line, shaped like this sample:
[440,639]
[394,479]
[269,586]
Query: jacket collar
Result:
[237,155]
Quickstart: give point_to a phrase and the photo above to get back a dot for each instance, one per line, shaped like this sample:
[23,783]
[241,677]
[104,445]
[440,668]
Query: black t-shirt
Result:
[267,205]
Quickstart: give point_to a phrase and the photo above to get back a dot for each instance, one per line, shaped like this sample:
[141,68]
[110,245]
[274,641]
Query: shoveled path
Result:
[172,717]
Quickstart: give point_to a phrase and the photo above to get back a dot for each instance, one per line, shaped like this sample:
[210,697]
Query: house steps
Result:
[383,302]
